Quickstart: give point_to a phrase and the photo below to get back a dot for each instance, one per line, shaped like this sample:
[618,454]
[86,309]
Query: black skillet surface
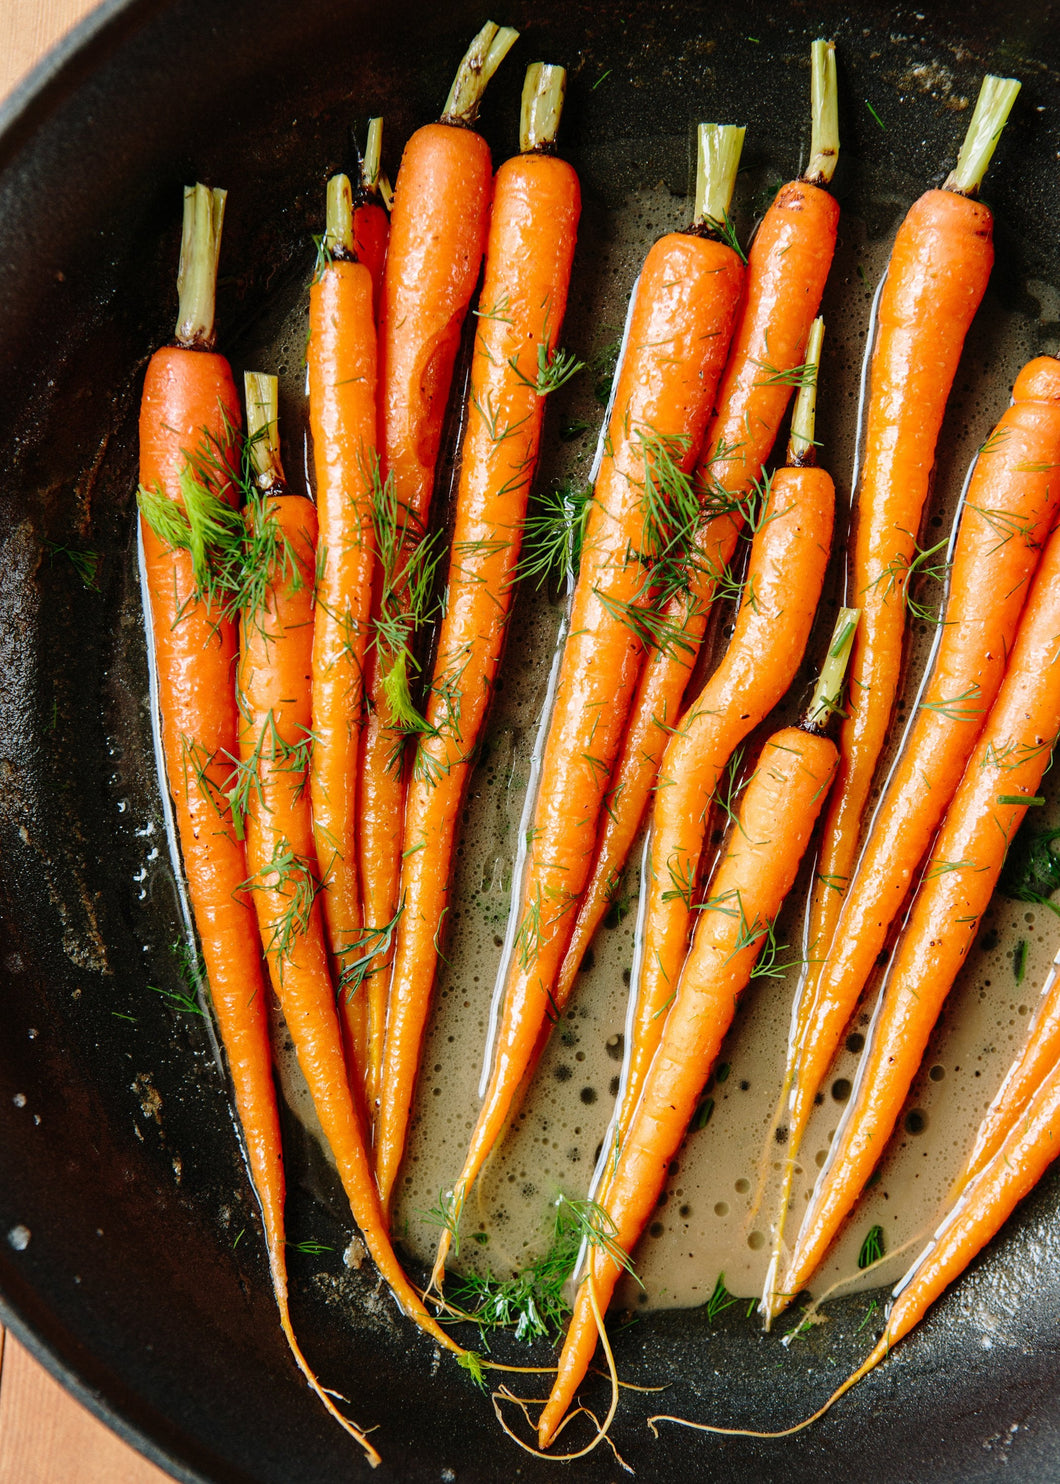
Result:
[121,1186]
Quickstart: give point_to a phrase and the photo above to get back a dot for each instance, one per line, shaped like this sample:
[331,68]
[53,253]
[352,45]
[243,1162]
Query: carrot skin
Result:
[784,580]
[679,332]
[341,360]
[936,278]
[1010,509]
[776,819]
[533,228]
[275,690]
[1039,1056]
[1009,760]
[371,234]
[437,237]
[787,267]
[190,394]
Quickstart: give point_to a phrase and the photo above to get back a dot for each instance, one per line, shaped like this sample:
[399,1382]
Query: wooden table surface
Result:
[45,1436]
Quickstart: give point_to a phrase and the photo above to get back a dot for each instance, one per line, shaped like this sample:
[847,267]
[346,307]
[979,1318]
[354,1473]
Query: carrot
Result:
[787,266]
[938,271]
[1019,1162]
[189,418]
[273,685]
[1039,1056]
[437,237]
[785,574]
[776,818]
[341,366]
[678,333]
[371,224]
[515,365]
[1003,773]
[1008,511]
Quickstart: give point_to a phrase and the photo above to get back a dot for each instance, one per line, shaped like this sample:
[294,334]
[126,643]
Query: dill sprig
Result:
[872,1248]
[552,534]
[554,369]
[84,563]
[370,946]
[720,1300]
[533,1304]
[409,560]
[294,879]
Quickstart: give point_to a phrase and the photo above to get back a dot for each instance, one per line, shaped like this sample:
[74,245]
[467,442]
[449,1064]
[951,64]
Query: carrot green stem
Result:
[338,228]
[996,97]
[481,60]
[200,246]
[801,447]
[263,436]
[824,107]
[824,704]
[373,151]
[543,93]
[719,159]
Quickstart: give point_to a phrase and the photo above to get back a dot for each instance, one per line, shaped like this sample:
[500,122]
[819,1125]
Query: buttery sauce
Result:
[716,1215]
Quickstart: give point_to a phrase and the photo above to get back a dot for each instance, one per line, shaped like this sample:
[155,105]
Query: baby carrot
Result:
[341,366]
[679,328]
[1009,510]
[1019,1162]
[273,686]
[1002,774]
[787,267]
[1039,1056]
[189,418]
[371,225]
[785,574]
[536,204]
[437,237]
[776,818]
[938,271]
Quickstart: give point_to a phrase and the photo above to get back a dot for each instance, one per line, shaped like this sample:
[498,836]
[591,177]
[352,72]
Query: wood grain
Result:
[46,1437]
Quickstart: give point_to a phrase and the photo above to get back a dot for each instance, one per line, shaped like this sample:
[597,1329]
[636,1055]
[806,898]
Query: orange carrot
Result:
[437,237]
[936,278]
[189,417]
[1019,1162]
[785,574]
[534,223]
[1002,774]
[787,266]
[1009,510]
[678,334]
[371,224]
[1036,1061]
[776,818]
[274,696]
[341,364]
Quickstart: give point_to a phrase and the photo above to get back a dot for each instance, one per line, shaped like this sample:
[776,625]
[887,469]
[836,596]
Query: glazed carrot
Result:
[936,277]
[437,238]
[785,574]
[775,820]
[787,267]
[371,224]
[536,204]
[1036,1061]
[273,686]
[1002,774]
[1030,1146]
[1009,509]
[341,367]
[678,333]
[189,418]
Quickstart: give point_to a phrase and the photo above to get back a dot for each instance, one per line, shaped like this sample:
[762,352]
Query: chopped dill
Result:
[310,1248]
[872,1248]
[84,563]
[720,1300]
[553,534]
[875,115]
[533,1304]
[181,999]
[1031,872]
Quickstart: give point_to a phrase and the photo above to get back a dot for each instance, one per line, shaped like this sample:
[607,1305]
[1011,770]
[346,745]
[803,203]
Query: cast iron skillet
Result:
[121,1186]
